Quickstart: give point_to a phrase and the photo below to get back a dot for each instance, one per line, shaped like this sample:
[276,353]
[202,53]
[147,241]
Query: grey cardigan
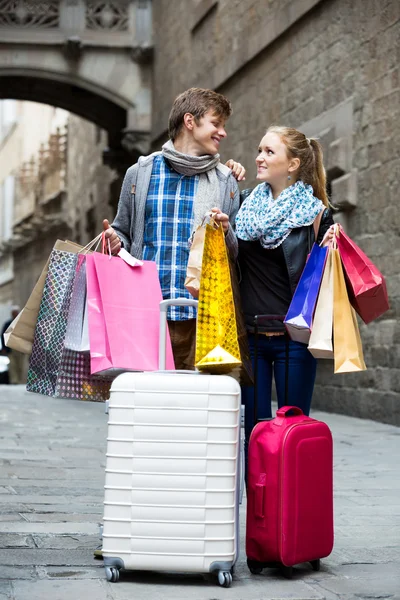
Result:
[130,219]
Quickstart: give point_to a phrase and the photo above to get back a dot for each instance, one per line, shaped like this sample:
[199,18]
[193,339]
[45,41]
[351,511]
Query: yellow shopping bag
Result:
[346,336]
[320,344]
[217,347]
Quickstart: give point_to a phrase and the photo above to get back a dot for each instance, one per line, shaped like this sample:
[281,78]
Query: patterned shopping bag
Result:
[75,381]
[55,370]
[48,342]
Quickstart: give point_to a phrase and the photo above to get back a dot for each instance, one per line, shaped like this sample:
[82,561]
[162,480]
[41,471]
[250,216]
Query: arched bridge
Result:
[90,57]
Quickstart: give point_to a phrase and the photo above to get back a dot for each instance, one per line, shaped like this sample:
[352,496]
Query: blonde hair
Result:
[309,152]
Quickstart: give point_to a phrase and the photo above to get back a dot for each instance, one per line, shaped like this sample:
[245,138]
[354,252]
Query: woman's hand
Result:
[237,169]
[220,217]
[329,236]
[111,236]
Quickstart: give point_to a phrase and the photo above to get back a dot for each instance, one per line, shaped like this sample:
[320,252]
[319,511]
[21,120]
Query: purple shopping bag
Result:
[124,315]
[299,317]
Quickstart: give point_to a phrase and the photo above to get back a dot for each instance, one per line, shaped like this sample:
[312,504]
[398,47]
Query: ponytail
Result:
[318,174]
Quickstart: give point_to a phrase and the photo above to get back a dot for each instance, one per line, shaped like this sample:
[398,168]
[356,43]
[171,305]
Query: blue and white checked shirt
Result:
[168,226]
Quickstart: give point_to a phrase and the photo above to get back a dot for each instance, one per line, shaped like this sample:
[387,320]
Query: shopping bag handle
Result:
[94,242]
[164,306]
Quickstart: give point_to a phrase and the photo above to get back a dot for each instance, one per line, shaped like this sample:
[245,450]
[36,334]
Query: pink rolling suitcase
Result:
[172,471]
[289,492]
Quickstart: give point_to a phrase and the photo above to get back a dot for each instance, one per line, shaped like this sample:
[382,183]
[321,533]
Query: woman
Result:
[276,227]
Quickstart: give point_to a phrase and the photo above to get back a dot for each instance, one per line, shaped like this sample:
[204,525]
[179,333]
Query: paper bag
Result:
[320,344]
[346,336]
[365,283]
[298,320]
[217,347]
[124,315]
[193,271]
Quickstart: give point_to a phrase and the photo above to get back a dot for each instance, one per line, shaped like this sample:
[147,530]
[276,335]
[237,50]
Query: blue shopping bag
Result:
[298,320]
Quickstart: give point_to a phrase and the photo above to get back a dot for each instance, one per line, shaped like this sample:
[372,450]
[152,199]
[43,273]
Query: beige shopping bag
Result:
[19,334]
[193,271]
[320,344]
[346,336]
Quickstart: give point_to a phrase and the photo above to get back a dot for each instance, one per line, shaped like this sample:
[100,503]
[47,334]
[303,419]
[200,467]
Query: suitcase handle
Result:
[164,306]
[262,320]
[259,499]
[284,411]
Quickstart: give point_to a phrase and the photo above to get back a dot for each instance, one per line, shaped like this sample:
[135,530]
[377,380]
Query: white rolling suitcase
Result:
[172,472]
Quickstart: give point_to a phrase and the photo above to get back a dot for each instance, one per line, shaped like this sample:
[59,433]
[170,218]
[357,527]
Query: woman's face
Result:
[273,164]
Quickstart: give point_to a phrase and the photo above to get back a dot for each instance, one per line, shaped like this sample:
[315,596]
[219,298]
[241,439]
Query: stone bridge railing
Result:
[76,24]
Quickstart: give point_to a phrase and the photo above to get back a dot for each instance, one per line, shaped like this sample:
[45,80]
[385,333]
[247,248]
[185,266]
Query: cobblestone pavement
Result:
[51,489]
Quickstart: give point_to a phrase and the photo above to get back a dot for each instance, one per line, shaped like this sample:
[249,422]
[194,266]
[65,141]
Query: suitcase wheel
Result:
[254,567]
[112,574]
[316,564]
[224,578]
[287,572]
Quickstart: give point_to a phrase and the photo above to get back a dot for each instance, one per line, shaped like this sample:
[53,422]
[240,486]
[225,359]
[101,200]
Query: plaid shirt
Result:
[168,226]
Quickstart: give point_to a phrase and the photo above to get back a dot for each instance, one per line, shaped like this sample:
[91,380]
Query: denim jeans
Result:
[271,360]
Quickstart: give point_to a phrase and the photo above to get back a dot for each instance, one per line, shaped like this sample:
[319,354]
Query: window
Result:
[8,116]
[7,207]
[91,221]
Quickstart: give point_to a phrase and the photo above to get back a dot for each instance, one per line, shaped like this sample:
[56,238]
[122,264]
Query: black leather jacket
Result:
[298,244]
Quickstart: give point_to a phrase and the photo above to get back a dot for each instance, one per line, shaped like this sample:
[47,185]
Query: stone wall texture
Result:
[330,67]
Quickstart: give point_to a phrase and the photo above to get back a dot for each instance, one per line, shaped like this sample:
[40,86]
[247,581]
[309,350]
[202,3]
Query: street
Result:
[52,456]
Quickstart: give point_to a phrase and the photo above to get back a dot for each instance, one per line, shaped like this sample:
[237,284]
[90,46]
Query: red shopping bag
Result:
[365,283]
[124,315]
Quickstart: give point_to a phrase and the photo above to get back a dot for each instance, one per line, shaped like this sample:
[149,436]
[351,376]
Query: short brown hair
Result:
[197,102]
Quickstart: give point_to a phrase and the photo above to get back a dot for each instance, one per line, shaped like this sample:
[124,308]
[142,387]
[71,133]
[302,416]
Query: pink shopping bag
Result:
[366,285]
[124,315]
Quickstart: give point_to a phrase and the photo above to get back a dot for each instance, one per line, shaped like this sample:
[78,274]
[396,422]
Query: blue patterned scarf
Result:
[271,221]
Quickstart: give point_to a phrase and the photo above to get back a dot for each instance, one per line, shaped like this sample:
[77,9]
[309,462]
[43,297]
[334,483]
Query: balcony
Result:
[41,192]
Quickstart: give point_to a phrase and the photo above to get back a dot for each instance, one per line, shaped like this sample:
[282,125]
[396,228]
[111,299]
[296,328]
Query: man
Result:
[16,367]
[165,196]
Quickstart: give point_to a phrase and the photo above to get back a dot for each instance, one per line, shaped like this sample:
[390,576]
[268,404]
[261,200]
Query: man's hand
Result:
[111,236]
[237,169]
[220,217]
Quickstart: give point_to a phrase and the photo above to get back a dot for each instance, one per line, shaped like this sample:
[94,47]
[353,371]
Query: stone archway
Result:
[91,58]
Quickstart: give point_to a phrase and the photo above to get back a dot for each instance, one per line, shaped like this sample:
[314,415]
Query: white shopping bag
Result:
[77,335]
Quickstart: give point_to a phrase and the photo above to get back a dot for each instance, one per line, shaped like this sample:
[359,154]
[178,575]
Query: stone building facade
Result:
[330,68]
[60,190]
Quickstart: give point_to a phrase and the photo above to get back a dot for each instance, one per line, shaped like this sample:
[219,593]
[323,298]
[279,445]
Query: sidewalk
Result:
[51,491]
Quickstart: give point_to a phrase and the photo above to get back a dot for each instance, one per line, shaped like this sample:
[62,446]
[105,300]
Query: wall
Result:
[19,143]
[88,180]
[331,68]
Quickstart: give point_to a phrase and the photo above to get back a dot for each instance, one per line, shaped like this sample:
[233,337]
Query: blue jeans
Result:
[271,359]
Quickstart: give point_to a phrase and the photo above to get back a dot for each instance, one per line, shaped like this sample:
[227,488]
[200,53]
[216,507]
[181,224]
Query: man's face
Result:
[208,133]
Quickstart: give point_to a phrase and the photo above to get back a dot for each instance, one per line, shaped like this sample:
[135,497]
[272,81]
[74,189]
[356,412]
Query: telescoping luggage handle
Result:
[164,306]
[261,320]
